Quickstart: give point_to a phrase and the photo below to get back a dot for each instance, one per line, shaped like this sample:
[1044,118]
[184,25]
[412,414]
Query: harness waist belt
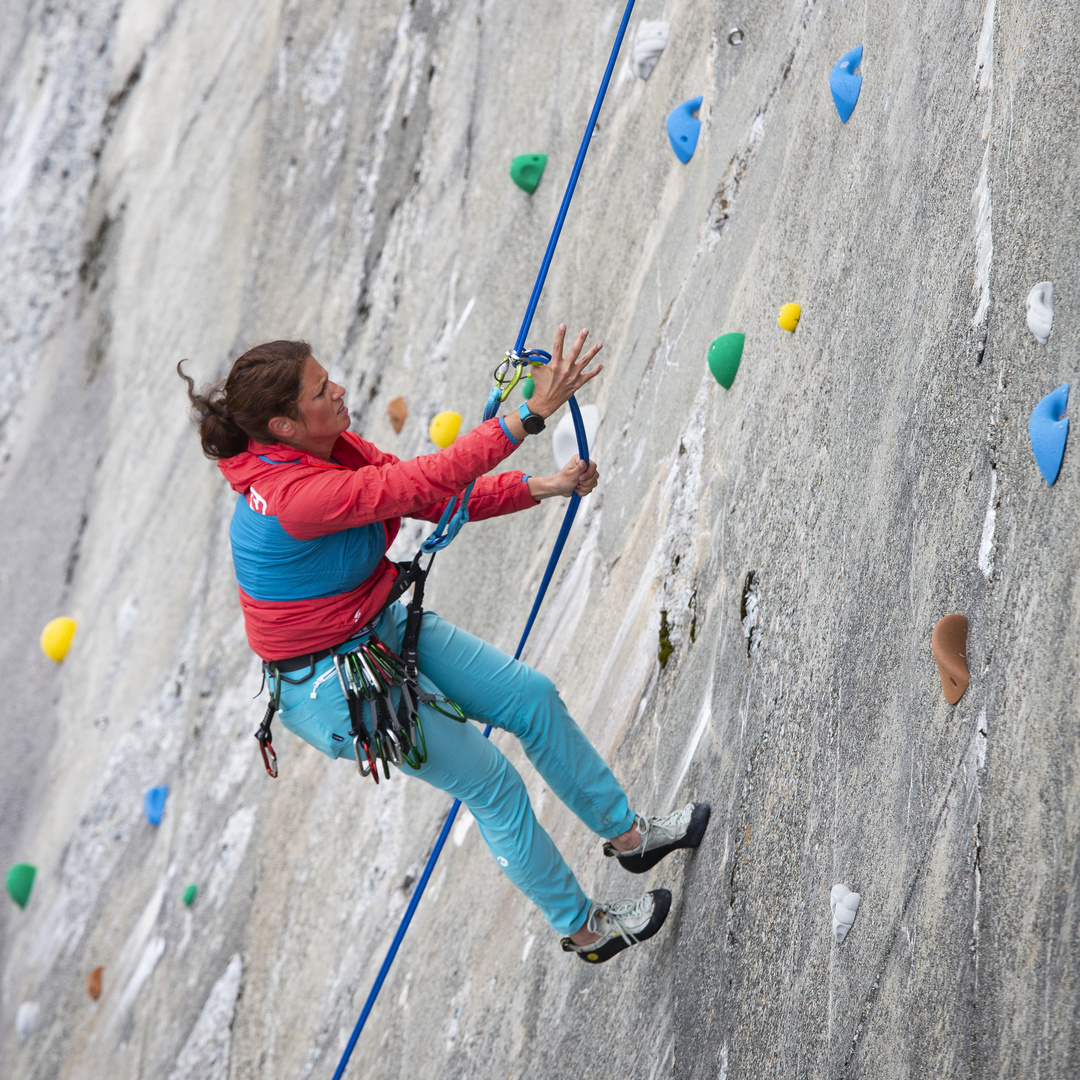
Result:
[295,663]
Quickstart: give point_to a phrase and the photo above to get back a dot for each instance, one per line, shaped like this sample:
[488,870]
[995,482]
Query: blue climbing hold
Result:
[683,128]
[1048,428]
[845,84]
[154,803]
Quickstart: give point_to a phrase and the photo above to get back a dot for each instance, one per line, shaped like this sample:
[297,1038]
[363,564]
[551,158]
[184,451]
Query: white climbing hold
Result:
[1040,310]
[652,36]
[844,904]
[564,439]
[26,1020]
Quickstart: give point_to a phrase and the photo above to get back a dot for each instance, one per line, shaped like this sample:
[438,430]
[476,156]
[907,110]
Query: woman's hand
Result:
[563,376]
[573,477]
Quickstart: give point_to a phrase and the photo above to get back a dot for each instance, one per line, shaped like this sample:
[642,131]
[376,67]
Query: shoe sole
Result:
[699,822]
[661,907]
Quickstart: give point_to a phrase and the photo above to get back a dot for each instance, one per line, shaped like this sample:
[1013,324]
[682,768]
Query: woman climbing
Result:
[318,508]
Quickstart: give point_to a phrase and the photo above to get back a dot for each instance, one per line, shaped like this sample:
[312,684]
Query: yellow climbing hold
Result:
[789,317]
[56,638]
[444,428]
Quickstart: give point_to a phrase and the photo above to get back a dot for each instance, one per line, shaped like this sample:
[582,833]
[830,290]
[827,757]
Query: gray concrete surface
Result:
[186,179]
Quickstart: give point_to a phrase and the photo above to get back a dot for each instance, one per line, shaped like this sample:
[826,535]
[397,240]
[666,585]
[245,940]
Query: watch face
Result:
[532,423]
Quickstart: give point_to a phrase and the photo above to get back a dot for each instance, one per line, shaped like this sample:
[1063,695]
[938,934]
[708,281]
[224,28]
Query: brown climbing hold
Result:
[949,642]
[397,410]
[93,983]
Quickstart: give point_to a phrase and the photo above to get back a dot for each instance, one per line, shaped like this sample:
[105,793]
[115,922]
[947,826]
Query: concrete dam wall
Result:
[180,178]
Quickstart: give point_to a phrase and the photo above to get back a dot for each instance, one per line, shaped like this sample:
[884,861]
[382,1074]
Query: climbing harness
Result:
[508,374]
[367,674]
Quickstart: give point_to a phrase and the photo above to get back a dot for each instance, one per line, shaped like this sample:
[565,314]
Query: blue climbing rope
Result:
[451,522]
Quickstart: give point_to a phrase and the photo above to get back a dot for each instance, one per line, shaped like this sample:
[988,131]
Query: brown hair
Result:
[263,383]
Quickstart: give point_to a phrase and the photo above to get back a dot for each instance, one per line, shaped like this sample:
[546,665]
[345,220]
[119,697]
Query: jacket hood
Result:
[248,467]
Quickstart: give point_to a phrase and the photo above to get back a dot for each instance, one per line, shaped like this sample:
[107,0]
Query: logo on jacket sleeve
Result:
[256,501]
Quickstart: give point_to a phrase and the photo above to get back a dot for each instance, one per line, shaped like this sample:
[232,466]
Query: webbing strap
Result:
[564,531]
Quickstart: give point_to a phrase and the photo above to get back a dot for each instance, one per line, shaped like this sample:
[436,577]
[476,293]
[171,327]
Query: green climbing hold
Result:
[20,880]
[189,895]
[526,170]
[724,356]
[527,387]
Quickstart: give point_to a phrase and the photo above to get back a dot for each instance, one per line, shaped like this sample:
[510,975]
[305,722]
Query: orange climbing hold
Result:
[949,642]
[397,410]
[93,982]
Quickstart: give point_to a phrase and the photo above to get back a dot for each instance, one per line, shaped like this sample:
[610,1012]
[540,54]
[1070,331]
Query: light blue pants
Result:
[508,694]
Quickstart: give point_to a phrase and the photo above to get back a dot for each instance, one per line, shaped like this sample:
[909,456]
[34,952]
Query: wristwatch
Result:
[532,422]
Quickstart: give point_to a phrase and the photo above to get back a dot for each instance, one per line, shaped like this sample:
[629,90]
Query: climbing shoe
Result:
[621,924]
[661,835]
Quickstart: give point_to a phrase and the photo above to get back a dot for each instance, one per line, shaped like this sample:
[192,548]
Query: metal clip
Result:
[503,382]
[364,762]
[266,747]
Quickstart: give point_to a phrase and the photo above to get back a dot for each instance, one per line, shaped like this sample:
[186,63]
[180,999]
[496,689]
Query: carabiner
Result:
[503,382]
[271,761]
[365,764]
[455,711]
[381,751]
[392,747]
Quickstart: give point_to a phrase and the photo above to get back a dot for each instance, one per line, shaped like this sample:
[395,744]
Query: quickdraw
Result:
[392,734]
[266,745]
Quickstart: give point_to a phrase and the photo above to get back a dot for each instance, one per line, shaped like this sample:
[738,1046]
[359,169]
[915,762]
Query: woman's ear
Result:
[282,427]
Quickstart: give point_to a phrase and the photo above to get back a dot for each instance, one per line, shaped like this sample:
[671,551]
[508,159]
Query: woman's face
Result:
[323,415]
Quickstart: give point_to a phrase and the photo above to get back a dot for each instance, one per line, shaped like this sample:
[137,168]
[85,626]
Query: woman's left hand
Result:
[573,478]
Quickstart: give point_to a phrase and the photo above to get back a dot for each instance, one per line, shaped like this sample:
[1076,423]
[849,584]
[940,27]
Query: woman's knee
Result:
[539,693]
[502,800]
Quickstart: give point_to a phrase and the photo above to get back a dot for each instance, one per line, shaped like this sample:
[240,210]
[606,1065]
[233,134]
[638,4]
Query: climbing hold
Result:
[20,880]
[26,1020]
[527,387]
[1040,311]
[526,170]
[93,982]
[789,317]
[444,428]
[949,642]
[56,637]
[397,410]
[189,895]
[735,36]
[649,41]
[844,904]
[564,439]
[724,356]
[845,84]
[1048,429]
[154,803]
[683,129]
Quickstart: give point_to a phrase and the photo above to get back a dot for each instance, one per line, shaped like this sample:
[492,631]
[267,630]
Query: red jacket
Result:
[311,498]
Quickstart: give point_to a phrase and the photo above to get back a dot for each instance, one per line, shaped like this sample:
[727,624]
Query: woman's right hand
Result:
[563,376]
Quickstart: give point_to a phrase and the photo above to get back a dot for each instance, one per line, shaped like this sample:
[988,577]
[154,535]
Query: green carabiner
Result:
[502,371]
[380,752]
[455,713]
[421,749]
